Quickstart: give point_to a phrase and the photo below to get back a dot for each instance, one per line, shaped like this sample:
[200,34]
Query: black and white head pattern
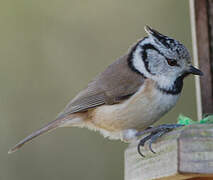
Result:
[162,59]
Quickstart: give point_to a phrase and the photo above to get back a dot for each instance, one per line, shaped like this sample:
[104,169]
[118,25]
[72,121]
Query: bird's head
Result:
[163,59]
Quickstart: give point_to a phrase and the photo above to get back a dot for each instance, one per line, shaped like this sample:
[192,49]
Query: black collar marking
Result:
[177,86]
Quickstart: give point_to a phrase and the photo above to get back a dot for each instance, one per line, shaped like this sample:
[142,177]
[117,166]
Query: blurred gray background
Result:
[50,50]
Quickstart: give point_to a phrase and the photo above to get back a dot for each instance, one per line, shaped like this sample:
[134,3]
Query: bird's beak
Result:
[195,71]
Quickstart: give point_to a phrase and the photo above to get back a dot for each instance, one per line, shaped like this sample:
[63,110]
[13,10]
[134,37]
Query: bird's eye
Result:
[172,62]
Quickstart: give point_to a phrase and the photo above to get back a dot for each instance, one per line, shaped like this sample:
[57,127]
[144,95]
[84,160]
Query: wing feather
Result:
[117,83]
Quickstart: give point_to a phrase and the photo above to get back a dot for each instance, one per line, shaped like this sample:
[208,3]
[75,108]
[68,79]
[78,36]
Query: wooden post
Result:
[188,152]
[202,36]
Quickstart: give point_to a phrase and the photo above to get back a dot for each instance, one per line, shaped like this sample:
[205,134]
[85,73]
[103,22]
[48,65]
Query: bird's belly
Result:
[146,111]
[138,112]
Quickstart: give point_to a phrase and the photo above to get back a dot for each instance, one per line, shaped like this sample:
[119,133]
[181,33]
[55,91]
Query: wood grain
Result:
[182,154]
[204,35]
[210,15]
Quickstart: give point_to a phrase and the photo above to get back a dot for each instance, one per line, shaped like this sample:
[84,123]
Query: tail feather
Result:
[47,128]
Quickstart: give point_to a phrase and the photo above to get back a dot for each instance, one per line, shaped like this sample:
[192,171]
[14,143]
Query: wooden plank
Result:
[182,154]
[204,35]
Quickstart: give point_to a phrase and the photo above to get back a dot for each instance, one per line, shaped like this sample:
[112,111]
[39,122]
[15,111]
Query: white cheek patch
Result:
[164,82]
[139,64]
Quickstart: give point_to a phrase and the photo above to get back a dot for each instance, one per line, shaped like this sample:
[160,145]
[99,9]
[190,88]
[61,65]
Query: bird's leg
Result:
[155,133]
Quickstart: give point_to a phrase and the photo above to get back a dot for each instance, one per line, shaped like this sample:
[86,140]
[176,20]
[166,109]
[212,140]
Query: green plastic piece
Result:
[184,120]
[207,120]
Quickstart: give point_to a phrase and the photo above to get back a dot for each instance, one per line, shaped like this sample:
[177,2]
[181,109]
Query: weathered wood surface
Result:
[203,14]
[182,154]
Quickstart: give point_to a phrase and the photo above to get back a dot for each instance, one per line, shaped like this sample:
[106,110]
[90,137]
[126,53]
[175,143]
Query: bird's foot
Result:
[155,133]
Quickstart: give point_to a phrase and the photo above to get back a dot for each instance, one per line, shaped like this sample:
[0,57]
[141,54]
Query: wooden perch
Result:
[182,154]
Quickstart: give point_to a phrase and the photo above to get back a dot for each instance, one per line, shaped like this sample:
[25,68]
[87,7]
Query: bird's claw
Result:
[155,133]
[142,143]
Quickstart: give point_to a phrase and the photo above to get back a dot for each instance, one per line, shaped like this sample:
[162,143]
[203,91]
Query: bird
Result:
[131,94]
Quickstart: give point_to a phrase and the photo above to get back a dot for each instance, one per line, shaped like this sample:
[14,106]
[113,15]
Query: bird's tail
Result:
[61,122]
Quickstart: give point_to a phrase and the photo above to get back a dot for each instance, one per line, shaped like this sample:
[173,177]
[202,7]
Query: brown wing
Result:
[116,83]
